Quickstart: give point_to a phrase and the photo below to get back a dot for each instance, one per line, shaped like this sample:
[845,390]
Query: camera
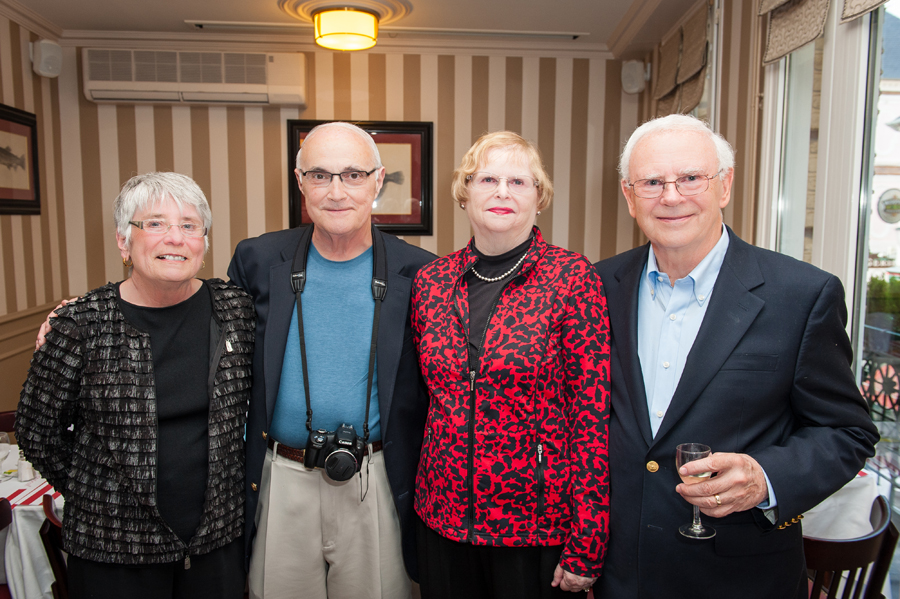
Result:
[340,452]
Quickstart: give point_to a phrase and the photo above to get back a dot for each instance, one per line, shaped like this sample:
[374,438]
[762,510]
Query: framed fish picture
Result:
[404,203]
[19,180]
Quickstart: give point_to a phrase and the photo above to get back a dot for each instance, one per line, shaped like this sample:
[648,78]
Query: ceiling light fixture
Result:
[351,26]
[345,29]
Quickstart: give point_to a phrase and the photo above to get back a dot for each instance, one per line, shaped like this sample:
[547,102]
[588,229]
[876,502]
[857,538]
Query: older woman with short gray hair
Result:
[134,410]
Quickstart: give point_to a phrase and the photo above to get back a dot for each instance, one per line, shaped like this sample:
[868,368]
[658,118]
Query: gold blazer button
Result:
[253,486]
[652,466]
[265,436]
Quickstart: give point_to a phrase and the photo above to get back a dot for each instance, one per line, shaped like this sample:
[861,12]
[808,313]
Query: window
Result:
[879,270]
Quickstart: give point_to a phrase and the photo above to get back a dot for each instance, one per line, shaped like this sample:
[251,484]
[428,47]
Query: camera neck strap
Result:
[379,290]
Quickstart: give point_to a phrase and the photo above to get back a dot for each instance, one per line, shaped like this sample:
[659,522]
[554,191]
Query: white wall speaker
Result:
[46,58]
[634,76]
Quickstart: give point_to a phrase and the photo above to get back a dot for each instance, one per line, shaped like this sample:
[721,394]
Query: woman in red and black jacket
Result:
[513,338]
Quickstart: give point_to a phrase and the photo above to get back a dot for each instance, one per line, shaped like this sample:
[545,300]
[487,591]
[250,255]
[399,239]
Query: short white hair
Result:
[144,191]
[677,122]
[359,132]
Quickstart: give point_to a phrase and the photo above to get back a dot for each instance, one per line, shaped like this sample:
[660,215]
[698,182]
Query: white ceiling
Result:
[625,27]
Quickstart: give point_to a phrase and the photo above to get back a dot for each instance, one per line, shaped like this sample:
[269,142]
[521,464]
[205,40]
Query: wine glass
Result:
[4,448]
[690,452]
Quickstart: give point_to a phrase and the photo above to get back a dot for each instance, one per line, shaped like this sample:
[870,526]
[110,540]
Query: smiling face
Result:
[168,260]
[501,219]
[682,229]
[339,211]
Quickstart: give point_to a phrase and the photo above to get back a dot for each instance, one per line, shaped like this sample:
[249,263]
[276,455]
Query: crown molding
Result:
[634,19]
[27,18]
[388,42]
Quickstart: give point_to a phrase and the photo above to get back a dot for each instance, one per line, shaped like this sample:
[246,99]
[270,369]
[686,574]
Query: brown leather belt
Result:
[296,455]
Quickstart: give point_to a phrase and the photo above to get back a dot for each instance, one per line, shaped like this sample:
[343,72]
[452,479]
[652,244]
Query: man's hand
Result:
[571,582]
[45,327]
[739,484]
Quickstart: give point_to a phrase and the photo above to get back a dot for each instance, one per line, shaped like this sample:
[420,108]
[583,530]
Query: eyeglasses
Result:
[483,181]
[348,178]
[157,226]
[688,185]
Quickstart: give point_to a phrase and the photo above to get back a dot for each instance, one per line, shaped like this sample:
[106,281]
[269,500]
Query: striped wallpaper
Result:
[572,107]
[569,103]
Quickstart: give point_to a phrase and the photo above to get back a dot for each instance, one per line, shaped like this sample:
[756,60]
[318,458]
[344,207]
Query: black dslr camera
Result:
[340,453]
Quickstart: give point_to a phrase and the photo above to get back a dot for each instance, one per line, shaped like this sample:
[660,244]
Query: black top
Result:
[482,294]
[179,339]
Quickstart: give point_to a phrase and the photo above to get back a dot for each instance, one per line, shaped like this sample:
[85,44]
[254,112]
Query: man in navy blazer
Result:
[317,537]
[717,342]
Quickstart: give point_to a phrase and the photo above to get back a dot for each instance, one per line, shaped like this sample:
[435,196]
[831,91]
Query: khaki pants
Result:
[315,539]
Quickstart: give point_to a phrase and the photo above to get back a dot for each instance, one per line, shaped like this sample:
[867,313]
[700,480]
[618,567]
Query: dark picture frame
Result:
[404,205]
[19,181]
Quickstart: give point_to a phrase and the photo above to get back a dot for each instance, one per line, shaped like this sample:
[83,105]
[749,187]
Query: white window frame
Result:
[839,164]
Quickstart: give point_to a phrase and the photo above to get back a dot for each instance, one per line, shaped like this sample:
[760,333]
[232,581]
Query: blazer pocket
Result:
[738,540]
[751,362]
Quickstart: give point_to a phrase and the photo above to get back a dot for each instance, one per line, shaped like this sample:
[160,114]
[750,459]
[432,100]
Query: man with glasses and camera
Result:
[338,412]
[720,343]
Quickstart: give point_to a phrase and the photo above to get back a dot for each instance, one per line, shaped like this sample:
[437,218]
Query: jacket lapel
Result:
[732,310]
[391,329]
[622,303]
[281,306]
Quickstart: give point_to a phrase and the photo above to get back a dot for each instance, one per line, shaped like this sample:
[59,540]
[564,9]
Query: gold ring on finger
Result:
[718,500]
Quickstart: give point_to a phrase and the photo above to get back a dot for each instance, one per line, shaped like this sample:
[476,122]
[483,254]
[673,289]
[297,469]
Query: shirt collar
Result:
[704,274]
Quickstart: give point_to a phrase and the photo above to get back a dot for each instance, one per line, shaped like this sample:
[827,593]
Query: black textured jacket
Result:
[95,376]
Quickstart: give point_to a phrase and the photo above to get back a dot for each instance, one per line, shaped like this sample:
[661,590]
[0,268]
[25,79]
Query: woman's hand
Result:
[45,326]
[571,582]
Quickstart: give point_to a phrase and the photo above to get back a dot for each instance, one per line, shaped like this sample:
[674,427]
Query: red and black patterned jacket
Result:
[522,443]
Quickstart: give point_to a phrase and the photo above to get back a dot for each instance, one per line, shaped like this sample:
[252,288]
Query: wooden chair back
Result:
[5,513]
[865,560]
[51,537]
[8,421]
[5,521]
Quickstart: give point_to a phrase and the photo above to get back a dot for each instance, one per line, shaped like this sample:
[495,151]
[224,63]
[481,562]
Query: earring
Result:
[539,213]
[203,264]
[463,206]
[127,262]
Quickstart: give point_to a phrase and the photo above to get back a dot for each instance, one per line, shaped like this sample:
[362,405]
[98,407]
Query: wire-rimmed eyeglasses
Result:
[688,185]
[484,181]
[348,178]
[158,226]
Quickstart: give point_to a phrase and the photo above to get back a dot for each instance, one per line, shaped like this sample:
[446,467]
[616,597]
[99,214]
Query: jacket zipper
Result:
[470,475]
[540,479]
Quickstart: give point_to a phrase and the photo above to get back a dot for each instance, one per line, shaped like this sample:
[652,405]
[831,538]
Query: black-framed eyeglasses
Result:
[688,185]
[158,226]
[348,178]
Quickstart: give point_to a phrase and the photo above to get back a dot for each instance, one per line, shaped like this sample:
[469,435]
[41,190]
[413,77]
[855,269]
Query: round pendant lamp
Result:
[345,29]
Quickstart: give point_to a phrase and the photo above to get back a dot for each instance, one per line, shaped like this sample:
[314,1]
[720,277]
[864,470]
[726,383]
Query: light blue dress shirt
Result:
[669,318]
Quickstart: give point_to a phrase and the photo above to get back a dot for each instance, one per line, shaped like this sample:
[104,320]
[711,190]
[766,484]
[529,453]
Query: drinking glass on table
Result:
[691,452]
[4,447]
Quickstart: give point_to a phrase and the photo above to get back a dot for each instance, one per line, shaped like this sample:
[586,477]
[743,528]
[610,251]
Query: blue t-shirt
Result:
[337,316]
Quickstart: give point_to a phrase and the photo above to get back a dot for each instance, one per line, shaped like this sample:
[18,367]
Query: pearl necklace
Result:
[504,275]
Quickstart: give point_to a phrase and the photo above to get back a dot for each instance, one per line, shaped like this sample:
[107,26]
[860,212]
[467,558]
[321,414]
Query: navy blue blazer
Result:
[262,267]
[769,375]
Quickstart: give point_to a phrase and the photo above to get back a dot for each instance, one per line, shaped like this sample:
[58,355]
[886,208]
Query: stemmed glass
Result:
[690,452]
[4,449]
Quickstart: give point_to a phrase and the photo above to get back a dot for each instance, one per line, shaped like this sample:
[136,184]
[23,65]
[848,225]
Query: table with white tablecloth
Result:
[844,515]
[27,570]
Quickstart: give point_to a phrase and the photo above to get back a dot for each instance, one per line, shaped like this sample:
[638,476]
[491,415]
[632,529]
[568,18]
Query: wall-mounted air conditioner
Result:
[169,77]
